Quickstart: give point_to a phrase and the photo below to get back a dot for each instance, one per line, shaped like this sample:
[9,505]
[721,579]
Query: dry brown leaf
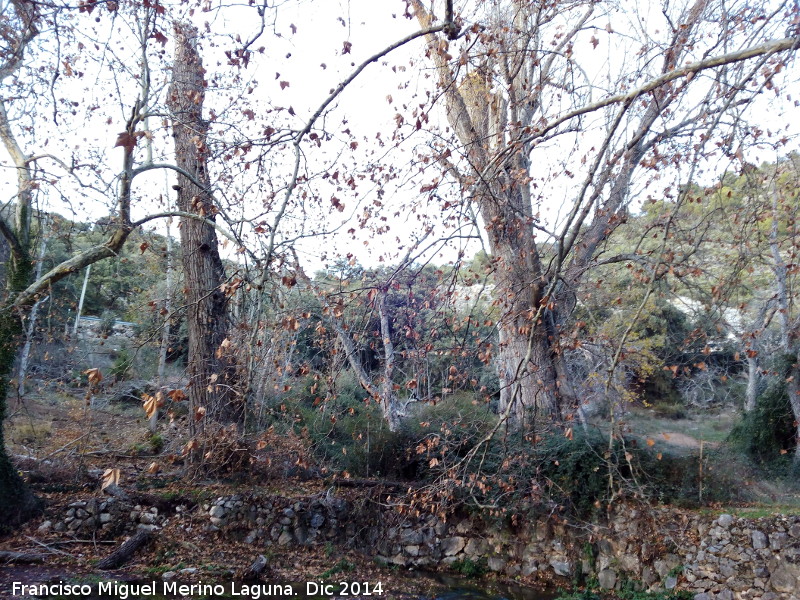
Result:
[94,376]
[177,395]
[110,477]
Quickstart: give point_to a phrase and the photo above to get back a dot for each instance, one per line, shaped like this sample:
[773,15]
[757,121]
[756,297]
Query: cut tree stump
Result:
[125,552]
[256,570]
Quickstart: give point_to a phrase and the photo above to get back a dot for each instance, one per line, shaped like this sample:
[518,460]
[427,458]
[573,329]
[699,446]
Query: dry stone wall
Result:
[715,557]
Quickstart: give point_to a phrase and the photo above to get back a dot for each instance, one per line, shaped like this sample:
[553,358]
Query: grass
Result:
[706,427]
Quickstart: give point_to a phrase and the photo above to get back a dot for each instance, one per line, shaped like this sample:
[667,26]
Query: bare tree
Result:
[210,374]
[515,81]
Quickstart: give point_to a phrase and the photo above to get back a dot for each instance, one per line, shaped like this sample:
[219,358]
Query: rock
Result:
[452,546]
[496,564]
[148,518]
[478,547]
[661,567]
[761,572]
[759,540]
[105,517]
[670,582]
[169,575]
[464,527]
[413,537]
[411,550]
[777,540]
[794,530]
[399,560]
[725,521]
[45,527]
[285,538]
[607,579]
[702,596]
[648,575]
[725,594]
[562,568]
[317,520]
[785,577]
[217,511]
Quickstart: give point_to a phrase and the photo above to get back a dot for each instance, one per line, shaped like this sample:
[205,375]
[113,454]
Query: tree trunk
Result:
[753,376]
[210,373]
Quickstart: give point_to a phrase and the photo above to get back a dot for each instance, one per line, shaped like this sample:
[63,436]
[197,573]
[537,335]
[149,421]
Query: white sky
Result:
[322,27]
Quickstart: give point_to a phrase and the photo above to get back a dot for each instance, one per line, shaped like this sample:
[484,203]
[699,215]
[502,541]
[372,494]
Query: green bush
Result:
[767,433]
[122,366]
[668,410]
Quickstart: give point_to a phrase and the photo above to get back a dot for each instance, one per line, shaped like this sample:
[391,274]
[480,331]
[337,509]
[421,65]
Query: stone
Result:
[148,518]
[725,521]
[661,567]
[648,575]
[496,564]
[777,540]
[630,563]
[670,582]
[317,520]
[169,575]
[413,537]
[399,560]
[785,577]
[702,596]
[251,537]
[464,527]
[794,530]
[217,511]
[478,547]
[452,546]
[759,540]
[761,571]
[285,538]
[411,550]
[607,578]
[725,594]
[45,527]
[561,568]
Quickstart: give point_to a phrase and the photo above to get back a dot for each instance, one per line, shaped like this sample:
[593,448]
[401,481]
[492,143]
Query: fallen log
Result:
[125,552]
[27,558]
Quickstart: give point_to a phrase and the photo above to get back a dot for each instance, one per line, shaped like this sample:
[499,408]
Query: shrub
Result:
[122,367]
[767,433]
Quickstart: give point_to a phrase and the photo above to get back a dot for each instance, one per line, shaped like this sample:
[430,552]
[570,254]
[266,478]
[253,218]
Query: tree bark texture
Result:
[210,373]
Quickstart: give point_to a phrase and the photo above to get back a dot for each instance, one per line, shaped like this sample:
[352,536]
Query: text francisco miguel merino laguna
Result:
[255,591]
